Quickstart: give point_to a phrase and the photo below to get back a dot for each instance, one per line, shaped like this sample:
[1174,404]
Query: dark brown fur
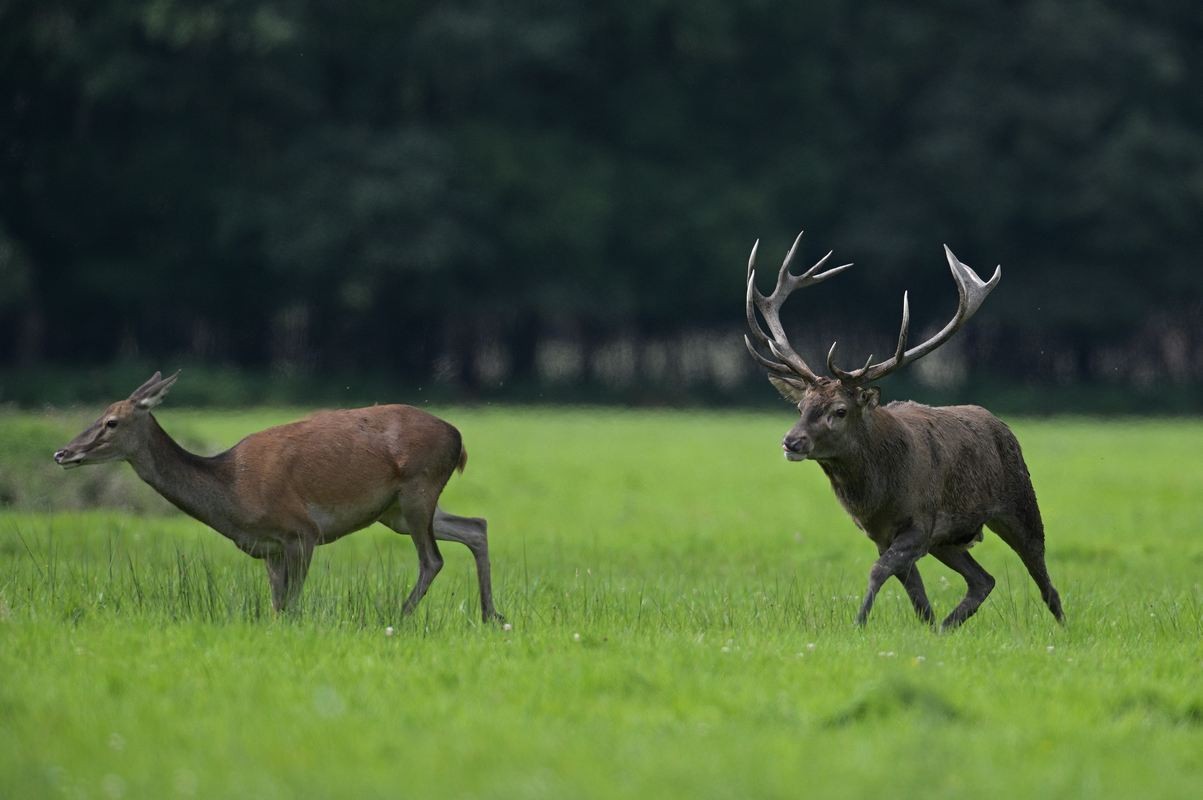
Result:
[920,480]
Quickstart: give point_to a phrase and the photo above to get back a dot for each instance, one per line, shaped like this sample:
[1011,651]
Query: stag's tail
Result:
[463,459]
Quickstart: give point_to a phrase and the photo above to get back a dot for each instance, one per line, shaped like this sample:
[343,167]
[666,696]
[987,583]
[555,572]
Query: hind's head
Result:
[121,431]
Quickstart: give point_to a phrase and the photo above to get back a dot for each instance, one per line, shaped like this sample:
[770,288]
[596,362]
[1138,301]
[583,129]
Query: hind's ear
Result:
[869,397]
[789,388]
[141,390]
[151,393]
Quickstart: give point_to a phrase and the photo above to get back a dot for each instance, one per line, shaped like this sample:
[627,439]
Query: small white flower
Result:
[1049,648]
[810,645]
[389,631]
[507,627]
[576,637]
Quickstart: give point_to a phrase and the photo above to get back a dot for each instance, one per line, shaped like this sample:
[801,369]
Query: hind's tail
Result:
[463,459]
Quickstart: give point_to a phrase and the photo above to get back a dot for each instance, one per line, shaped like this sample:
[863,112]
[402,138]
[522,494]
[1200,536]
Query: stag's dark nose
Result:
[794,443]
[58,456]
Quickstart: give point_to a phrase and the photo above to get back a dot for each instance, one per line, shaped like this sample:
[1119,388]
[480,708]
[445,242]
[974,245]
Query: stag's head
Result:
[121,431]
[827,411]
[833,408]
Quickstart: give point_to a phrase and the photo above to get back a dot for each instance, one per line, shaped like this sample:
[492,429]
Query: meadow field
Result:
[681,603]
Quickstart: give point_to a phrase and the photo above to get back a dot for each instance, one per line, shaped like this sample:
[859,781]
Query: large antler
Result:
[787,363]
[972,291]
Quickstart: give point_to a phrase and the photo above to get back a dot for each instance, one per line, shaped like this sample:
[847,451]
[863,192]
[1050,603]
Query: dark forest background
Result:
[556,200]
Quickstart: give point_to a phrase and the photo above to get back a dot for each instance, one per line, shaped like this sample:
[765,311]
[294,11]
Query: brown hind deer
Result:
[279,493]
[917,480]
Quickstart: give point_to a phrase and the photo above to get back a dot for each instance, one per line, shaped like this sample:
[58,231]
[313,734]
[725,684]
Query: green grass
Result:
[682,604]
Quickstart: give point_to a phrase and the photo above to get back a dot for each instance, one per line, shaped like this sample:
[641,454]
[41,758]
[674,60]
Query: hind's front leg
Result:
[287,568]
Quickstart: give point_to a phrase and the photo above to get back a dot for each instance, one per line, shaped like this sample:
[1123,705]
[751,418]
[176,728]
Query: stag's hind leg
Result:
[473,533]
[914,589]
[1026,538]
[980,583]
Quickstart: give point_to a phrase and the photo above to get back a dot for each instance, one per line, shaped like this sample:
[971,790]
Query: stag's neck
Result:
[198,486]
[862,476]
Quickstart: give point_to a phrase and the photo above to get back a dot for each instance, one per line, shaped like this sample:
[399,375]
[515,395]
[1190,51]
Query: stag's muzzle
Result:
[796,448]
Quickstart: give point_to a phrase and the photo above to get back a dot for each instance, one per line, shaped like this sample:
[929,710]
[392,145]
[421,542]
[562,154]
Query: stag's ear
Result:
[789,388]
[151,393]
[869,397]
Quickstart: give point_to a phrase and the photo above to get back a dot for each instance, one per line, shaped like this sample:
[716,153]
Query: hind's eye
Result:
[841,412]
[111,423]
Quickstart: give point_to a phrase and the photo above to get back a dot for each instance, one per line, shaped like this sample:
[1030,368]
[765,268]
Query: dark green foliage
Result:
[389,185]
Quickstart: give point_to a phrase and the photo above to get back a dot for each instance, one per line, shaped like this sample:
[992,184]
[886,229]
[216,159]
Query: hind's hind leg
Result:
[472,532]
[416,518]
[1027,540]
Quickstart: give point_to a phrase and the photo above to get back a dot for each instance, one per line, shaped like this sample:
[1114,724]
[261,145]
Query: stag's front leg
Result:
[897,559]
[913,584]
[286,570]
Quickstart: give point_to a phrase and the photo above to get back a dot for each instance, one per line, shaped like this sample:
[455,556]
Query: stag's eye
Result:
[110,423]
[841,412]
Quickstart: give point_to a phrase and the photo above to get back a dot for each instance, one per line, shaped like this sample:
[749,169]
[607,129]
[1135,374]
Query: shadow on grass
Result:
[892,697]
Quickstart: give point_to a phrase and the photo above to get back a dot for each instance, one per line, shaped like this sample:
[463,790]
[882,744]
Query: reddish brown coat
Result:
[281,492]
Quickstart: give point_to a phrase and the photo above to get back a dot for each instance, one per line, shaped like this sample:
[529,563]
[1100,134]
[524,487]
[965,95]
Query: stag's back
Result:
[963,460]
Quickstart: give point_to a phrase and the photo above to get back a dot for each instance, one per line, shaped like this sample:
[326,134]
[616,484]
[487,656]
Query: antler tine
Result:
[972,289]
[846,377]
[774,339]
[790,362]
[903,332]
[787,279]
[971,293]
[771,366]
[754,299]
[789,257]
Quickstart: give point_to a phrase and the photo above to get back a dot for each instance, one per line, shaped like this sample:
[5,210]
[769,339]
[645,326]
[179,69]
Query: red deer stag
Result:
[279,493]
[916,479]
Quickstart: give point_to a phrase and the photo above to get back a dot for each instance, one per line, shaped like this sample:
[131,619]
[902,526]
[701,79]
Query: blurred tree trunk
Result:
[31,337]
[464,342]
[523,346]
